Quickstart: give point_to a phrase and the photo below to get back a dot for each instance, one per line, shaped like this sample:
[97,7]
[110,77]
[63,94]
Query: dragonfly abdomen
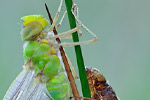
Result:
[59,87]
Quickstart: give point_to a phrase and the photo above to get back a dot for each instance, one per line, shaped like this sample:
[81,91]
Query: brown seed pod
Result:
[100,90]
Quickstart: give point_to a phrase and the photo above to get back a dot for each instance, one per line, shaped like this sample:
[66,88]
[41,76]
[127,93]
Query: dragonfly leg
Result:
[74,10]
[57,26]
[67,33]
[70,37]
[80,24]
[76,14]
[79,43]
[72,68]
[67,37]
[56,16]
[75,43]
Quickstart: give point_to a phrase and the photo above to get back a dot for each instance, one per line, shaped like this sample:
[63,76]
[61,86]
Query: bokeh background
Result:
[122,53]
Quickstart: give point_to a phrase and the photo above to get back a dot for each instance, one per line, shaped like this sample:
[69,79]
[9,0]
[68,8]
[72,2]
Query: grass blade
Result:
[79,57]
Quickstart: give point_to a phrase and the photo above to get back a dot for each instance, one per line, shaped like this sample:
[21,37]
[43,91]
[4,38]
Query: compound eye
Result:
[31,31]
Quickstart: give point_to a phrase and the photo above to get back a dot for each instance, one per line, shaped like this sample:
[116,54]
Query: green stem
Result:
[79,57]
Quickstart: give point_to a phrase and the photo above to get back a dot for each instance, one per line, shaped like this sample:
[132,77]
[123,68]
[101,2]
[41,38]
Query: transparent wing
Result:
[36,92]
[26,87]
[46,95]
[20,85]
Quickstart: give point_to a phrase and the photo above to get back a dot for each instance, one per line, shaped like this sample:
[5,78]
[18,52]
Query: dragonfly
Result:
[100,89]
[43,76]
[43,69]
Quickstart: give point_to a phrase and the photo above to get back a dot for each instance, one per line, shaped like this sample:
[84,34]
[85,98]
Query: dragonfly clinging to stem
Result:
[43,76]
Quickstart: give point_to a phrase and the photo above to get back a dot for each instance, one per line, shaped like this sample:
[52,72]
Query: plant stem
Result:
[79,57]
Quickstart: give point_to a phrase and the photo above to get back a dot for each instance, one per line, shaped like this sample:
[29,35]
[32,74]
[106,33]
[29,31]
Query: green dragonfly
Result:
[43,76]
[43,72]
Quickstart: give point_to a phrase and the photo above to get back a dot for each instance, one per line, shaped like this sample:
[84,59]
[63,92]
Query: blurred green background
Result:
[122,53]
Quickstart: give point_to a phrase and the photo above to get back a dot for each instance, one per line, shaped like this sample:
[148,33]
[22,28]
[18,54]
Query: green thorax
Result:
[43,58]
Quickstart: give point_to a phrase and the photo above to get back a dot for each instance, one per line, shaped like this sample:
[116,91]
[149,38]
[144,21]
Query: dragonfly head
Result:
[33,26]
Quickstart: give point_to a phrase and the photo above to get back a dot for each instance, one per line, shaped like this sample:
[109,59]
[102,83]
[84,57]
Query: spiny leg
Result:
[73,30]
[75,13]
[72,68]
[70,37]
[75,43]
[74,10]
[56,16]
[63,37]
[57,26]
[66,37]
[67,33]
[79,43]
[79,31]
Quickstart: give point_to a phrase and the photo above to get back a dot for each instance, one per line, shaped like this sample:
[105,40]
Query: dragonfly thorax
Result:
[43,57]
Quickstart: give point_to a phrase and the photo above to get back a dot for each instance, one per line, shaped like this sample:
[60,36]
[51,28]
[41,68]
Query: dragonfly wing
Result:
[20,85]
[36,92]
[46,95]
